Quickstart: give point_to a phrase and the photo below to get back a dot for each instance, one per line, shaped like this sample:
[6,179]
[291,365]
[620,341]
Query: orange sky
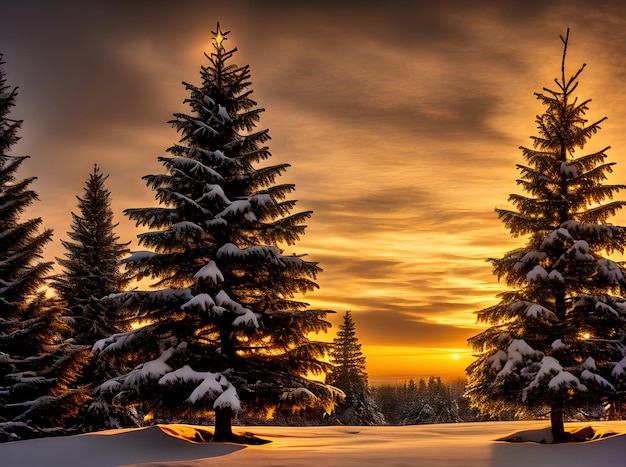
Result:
[401,120]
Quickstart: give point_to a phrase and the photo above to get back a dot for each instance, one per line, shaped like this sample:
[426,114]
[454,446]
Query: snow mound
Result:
[450,444]
[544,435]
[114,447]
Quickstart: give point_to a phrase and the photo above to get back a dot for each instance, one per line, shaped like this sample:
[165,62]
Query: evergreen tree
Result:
[348,374]
[391,401]
[91,265]
[432,402]
[428,401]
[224,327]
[37,368]
[556,341]
[91,273]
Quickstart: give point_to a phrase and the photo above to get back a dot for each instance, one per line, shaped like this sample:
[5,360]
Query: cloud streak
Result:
[401,122]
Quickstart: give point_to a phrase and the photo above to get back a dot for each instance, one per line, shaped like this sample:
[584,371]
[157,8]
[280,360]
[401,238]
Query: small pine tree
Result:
[92,273]
[223,326]
[38,370]
[556,340]
[348,374]
[92,265]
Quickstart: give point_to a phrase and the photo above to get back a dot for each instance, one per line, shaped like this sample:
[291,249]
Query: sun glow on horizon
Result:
[396,364]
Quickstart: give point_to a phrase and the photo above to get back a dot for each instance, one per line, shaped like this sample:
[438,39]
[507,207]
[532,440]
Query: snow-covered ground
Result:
[459,444]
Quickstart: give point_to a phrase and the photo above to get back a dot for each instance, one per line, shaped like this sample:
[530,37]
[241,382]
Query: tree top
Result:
[219,36]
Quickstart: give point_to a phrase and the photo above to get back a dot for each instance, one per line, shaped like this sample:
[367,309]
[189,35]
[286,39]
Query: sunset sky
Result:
[401,122]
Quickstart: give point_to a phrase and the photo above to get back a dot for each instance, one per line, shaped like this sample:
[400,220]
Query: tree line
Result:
[224,332]
[428,401]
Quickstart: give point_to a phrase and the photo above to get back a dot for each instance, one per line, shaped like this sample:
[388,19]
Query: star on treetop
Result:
[219,36]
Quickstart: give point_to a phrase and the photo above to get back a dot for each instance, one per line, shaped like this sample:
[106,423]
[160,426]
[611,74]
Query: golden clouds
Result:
[401,147]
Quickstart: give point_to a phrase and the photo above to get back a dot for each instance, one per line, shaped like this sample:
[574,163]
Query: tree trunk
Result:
[223,425]
[556,422]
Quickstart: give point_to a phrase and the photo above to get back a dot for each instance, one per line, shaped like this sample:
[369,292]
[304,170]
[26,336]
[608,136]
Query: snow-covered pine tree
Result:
[431,402]
[37,369]
[348,374]
[556,340]
[224,327]
[91,272]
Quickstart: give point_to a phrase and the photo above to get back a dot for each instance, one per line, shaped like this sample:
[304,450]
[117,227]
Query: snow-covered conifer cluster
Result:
[38,367]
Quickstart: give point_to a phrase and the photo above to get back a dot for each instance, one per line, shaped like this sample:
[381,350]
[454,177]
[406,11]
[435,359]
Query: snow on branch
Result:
[601,306]
[138,257]
[228,399]
[246,316]
[236,208]
[262,199]
[610,271]
[597,379]
[210,272]
[505,361]
[569,170]
[170,294]
[203,128]
[298,396]
[249,318]
[530,257]
[533,310]
[619,369]
[211,385]
[293,261]
[536,274]
[229,250]
[580,250]
[223,114]
[558,379]
[211,192]
[205,303]
[110,386]
[604,230]
[559,235]
[150,370]
[192,166]
[214,156]
[185,226]
[114,342]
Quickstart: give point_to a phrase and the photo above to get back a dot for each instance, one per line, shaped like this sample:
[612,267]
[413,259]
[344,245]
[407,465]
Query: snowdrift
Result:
[459,444]
[111,448]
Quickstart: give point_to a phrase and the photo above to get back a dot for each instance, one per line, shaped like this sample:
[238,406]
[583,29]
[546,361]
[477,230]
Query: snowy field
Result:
[462,444]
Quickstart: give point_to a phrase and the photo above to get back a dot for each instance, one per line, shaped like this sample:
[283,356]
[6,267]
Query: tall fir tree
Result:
[348,374]
[38,370]
[91,272]
[556,341]
[224,326]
